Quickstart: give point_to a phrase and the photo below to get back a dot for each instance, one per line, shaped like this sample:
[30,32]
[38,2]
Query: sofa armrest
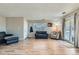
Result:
[8,35]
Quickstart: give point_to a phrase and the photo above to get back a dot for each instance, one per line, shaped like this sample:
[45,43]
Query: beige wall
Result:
[2,24]
[14,25]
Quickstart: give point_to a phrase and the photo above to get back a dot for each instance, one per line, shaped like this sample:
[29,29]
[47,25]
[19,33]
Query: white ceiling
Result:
[37,11]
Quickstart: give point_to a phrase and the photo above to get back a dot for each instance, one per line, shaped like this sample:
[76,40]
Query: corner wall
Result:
[2,24]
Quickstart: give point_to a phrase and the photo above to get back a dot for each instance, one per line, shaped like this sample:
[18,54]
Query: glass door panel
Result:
[72,36]
[67,30]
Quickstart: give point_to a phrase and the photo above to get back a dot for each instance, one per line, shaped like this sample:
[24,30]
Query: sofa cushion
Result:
[8,37]
[11,39]
[41,35]
[41,32]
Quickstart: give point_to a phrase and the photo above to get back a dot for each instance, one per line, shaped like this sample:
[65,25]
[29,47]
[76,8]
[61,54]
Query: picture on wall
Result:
[49,24]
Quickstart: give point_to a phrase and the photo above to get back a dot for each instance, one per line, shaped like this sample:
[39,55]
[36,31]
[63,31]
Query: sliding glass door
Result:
[72,36]
[69,29]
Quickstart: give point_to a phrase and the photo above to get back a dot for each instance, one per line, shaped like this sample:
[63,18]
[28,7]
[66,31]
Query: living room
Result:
[20,27]
[44,25]
[17,31]
[38,28]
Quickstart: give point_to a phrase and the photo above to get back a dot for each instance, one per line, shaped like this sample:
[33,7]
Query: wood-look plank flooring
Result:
[39,47]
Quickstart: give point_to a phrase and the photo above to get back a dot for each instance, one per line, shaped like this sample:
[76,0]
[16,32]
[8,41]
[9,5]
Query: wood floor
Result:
[39,47]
